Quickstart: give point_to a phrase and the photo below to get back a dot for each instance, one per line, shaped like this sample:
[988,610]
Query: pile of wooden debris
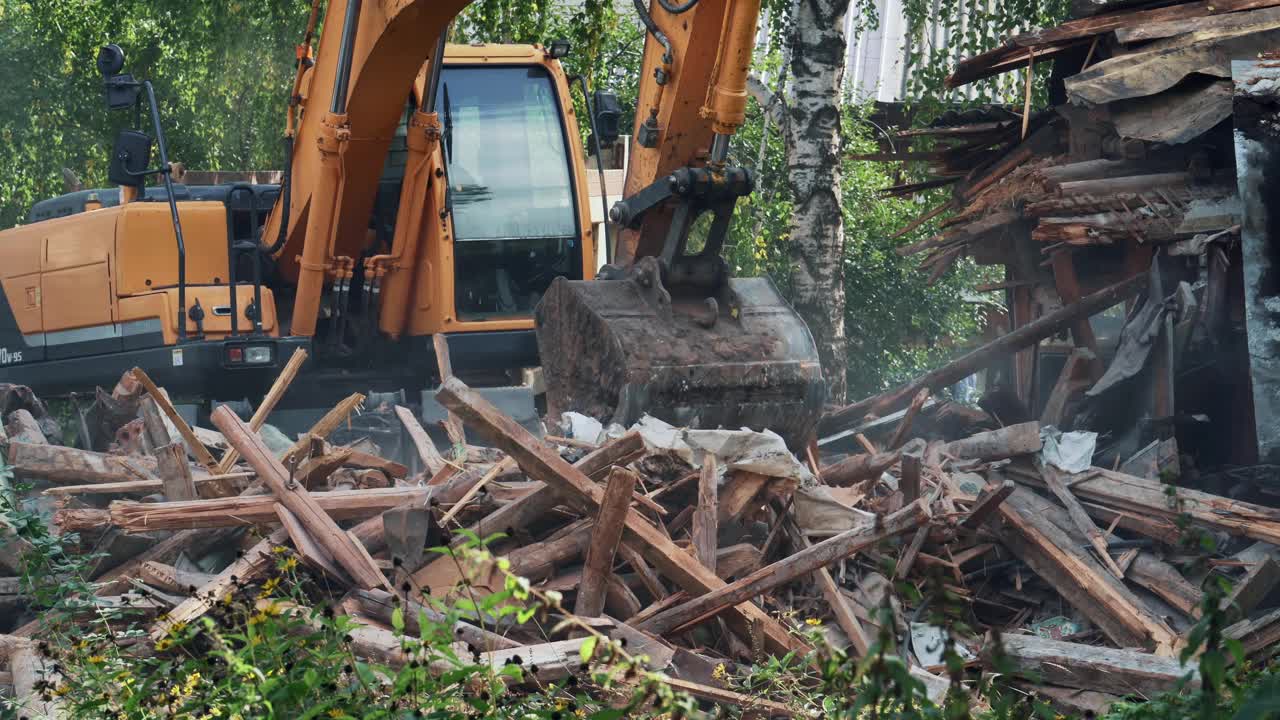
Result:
[699,547]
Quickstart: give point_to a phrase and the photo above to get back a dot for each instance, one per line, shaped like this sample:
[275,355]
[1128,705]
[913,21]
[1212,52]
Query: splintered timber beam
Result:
[255,561]
[975,360]
[1051,553]
[831,550]
[545,464]
[278,389]
[706,529]
[323,428]
[193,443]
[241,510]
[431,458]
[64,465]
[322,528]
[606,534]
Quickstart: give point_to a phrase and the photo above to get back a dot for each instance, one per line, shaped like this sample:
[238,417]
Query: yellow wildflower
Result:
[719,672]
[813,622]
[279,549]
[258,618]
[289,563]
[96,659]
[335,713]
[62,690]
[269,587]
[163,644]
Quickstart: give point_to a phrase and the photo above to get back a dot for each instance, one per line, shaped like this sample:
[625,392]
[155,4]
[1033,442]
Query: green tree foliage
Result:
[222,71]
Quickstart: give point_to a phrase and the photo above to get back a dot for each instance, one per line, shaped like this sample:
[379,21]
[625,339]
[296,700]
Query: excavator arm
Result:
[665,329]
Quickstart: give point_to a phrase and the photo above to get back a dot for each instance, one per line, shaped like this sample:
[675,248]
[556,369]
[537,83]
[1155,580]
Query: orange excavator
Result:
[431,190]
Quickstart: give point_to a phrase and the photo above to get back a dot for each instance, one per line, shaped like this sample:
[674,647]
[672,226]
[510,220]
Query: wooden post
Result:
[605,536]
[909,483]
[269,402]
[1074,379]
[706,529]
[845,616]
[833,549]
[175,472]
[295,497]
[545,464]
[1009,441]
[1089,667]
[1252,589]
[1081,518]
[155,431]
[452,426]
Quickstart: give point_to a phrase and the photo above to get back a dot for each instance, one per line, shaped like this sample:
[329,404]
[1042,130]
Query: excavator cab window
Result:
[510,188]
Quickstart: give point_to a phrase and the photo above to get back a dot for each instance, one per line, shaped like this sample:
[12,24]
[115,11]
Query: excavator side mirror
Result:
[130,159]
[608,116]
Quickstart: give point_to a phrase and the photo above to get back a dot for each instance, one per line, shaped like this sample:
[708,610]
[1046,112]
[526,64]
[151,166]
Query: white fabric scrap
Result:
[820,514]
[759,452]
[1070,452]
[582,427]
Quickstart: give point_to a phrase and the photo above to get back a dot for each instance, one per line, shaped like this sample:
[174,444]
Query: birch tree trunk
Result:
[813,164]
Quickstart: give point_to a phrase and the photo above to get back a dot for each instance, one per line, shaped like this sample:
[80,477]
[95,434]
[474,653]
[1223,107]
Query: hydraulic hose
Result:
[677,9]
[655,31]
[286,186]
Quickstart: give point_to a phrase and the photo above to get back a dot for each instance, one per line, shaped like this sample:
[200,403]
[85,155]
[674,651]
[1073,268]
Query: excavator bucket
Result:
[617,349]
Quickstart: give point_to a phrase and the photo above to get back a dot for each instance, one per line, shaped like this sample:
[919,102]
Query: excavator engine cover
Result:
[617,349]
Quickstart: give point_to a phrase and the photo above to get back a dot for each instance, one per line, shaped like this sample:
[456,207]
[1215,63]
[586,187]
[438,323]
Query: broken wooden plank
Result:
[34,678]
[452,425]
[498,469]
[988,500]
[1077,577]
[833,549]
[1089,667]
[904,427]
[706,529]
[606,534]
[243,510]
[269,402]
[323,428]
[380,605]
[1165,582]
[1053,479]
[197,448]
[255,561]
[138,487]
[909,483]
[645,572]
[543,463]
[171,579]
[1252,589]
[845,616]
[295,497]
[431,458]
[1046,326]
[735,496]
[1150,499]
[1260,636]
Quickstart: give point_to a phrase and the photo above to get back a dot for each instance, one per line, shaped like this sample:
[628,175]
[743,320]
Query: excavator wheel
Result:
[618,349]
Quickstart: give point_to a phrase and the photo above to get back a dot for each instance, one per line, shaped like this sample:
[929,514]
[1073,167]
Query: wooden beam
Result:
[170,579]
[1077,577]
[197,448]
[505,465]
[974,360]
[269,402]
[380,605]
[1053,479]
[844,614]
[1076,377]
[833,549]
[1006,442]
[1089,667]
[314,556]
[58,464]
[139,487]
[1165,582]
[545,464]
[606,534]
[706,529]
[326,532]
[988,500]
[735,497]
[857,468]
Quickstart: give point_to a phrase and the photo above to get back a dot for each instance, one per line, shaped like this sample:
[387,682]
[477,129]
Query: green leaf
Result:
[397,620]
[588,648]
